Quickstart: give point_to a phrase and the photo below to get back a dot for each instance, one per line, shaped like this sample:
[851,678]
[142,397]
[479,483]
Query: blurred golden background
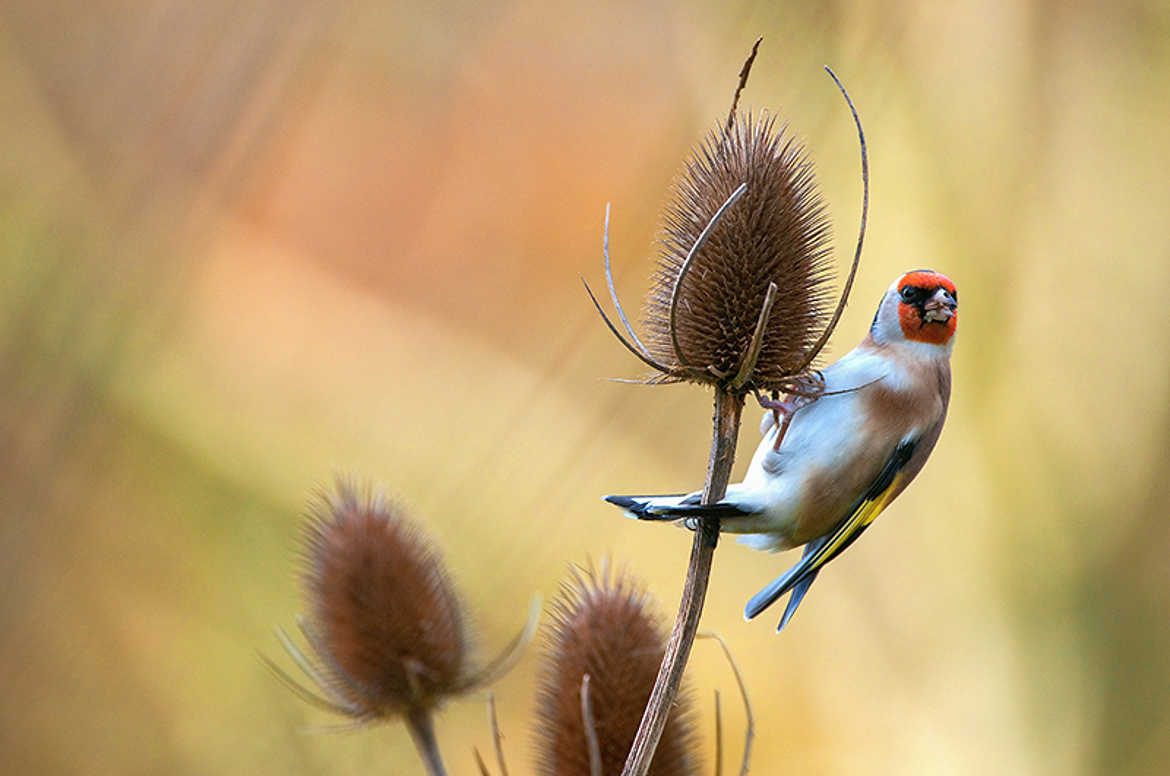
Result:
[246,245]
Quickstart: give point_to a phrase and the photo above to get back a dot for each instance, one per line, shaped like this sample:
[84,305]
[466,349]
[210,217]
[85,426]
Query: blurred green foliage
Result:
[246,245]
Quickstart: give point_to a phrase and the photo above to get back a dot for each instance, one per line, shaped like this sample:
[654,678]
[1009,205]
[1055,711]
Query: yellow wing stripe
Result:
[865,514]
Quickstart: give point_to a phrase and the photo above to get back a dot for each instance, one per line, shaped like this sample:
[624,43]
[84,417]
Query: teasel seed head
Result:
[604,627]
[741,296]
[777,233]
[391,627]
[388,636]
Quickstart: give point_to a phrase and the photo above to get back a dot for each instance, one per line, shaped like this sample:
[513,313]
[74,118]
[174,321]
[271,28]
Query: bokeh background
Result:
[246,245]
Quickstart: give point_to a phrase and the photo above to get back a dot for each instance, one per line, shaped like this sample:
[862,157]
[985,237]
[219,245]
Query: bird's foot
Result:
[802,392]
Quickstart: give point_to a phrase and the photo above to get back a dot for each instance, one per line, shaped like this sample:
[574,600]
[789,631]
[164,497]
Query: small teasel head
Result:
[391,629]
[387,634]
[600,661]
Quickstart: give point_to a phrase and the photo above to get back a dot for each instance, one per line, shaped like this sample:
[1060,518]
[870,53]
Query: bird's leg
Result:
[783,410]
[777,407]
[801,393]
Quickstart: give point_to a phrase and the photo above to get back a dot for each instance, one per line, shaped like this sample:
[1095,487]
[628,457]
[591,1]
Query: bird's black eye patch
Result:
[911,294]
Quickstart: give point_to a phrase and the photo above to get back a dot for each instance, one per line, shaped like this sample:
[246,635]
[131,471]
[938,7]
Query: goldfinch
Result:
[839,456]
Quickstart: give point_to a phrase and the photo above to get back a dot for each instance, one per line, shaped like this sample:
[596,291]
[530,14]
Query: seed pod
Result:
[386,631]
[702,314]
[604,627]
[390,629]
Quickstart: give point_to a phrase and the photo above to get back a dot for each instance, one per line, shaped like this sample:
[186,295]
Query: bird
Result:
[833,458]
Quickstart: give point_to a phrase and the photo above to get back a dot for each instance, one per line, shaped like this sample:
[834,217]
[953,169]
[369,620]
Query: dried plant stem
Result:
[718,737]
[750,729]
[479,763]
[422,730]
[744,72]
[725,430]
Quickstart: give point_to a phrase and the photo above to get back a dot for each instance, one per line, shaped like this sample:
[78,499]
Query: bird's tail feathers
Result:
[794,600]
[673,507]
[641,507]
[796,580]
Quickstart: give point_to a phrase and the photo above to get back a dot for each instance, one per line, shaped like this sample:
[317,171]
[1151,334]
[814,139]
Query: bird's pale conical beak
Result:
[941,307]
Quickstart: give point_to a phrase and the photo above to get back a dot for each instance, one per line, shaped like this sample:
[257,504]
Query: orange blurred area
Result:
[246,246]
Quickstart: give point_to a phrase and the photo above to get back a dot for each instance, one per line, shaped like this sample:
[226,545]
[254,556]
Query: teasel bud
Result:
[598,668]
[388,636]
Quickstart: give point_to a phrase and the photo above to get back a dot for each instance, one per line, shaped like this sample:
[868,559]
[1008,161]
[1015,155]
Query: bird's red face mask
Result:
[928,307]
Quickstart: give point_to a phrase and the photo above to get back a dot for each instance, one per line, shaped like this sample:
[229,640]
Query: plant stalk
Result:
[422,730]
[725,431]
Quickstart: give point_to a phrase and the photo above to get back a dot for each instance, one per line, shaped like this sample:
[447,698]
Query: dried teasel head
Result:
[704,307]
[741,298]
[604,628]
[387,633]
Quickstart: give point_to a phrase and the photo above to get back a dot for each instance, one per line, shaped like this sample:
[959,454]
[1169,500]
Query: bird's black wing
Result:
[820,551]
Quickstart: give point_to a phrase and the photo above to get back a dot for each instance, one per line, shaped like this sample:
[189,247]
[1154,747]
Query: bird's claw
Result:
[802,392]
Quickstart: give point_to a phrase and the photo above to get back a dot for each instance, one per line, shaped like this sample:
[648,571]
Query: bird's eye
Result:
[909,294]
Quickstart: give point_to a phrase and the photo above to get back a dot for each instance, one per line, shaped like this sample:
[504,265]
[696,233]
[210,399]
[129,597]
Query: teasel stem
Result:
[725,430]
[422,730]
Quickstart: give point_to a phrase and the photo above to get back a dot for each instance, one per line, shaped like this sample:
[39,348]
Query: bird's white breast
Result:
[822,437]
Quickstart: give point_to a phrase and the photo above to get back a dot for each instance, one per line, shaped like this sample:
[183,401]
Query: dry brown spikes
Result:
[719,275]
[684,366]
